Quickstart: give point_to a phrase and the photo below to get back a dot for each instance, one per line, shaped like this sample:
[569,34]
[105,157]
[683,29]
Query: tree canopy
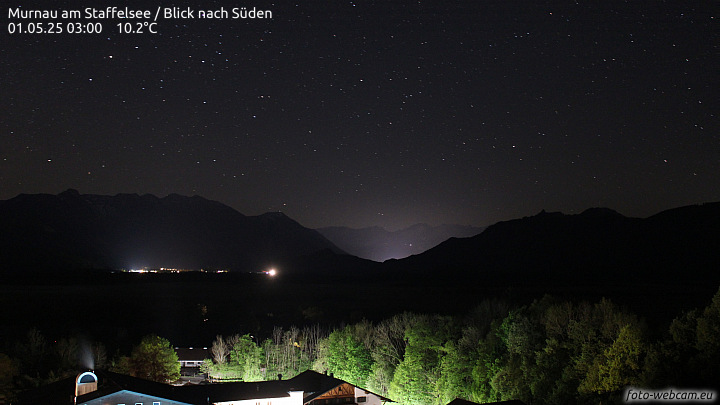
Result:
[154,359]
[547,352]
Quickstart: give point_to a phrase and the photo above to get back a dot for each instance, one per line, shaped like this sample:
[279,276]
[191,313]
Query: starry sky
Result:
[363,113]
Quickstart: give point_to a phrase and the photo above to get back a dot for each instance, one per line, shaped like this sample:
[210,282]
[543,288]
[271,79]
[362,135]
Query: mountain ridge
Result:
[378,244]
[130,230]
[596,246]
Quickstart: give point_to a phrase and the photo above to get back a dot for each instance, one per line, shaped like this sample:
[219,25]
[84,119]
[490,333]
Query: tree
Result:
[387,350]
[322,355]
[35,353]
[283,353]
[455,373]
[487,366]
[223,368]
[220,350]
[8,371]
[154,359]
[310,338]
[523,338]
[99,354]
[416,378]
[620,365]
[348,358]
[708,329]
[692,353]
[68,350]
[246,357]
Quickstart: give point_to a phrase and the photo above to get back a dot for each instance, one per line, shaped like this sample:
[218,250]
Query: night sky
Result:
[383,113]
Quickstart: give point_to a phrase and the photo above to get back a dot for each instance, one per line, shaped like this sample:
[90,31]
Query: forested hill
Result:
[70,231]
[598,246]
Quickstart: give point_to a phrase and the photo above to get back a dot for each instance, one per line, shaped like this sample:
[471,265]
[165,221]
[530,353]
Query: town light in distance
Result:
[271,272]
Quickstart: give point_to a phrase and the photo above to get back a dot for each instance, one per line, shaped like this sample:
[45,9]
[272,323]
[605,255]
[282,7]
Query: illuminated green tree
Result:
[464,360]
[489,351]
[387,350]
[154,359]
[246,358]
[455,373]
[523,337]
[486,367]
[557,352]
[620,364]
[416,378]
[348,358]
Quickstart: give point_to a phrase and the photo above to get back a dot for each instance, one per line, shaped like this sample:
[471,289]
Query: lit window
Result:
[156,403]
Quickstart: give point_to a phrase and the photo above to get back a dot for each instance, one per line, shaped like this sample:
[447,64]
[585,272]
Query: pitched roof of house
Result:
[224,392]
[109,383]
[315,384]
[113,382]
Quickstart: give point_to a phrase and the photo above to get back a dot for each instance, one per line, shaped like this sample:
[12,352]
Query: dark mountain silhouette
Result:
[71,230]
[596,247]
[329,266]
[378,244]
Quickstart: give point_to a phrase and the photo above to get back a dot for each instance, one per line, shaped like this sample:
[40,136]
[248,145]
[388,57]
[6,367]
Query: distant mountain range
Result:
[598,246]
[71,230]
[378,244]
